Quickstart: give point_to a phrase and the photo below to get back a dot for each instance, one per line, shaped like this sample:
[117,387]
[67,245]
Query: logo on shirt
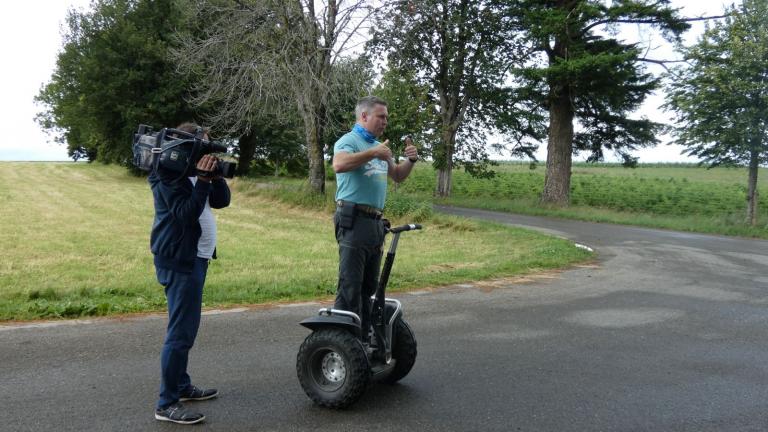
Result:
[375,167]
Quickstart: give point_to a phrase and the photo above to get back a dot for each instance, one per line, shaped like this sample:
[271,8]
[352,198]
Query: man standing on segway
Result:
[362,165]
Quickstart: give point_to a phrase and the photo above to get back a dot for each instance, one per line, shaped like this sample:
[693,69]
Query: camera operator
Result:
[183,240]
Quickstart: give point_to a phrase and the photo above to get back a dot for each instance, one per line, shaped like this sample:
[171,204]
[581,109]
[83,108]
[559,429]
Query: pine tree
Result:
[585,75]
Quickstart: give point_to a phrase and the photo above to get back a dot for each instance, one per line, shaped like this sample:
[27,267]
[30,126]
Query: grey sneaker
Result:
[196,394]
[178,413]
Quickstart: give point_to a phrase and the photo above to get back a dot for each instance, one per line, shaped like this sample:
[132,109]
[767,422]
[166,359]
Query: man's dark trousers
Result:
[360,250]
[184,292]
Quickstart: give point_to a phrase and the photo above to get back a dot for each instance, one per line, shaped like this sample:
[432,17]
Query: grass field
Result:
[76,238]
[680,197]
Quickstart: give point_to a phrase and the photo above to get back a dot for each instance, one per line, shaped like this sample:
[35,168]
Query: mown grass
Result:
[680,197]
[76,238]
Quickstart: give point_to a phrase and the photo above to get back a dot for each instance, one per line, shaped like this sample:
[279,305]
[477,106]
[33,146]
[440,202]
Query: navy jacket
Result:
[178,206]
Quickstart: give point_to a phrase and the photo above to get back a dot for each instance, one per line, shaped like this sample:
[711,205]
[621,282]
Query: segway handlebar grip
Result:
[402,228]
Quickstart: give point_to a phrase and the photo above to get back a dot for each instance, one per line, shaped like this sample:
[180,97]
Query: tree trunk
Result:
[443,189]
[315,154]
[557,183]
[247,148]
[752,194]
[444,163]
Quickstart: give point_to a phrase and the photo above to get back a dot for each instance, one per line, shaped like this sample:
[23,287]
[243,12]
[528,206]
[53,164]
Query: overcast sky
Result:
[31,38]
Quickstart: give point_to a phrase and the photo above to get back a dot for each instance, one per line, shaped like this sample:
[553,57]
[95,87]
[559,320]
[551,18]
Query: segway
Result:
[335,366]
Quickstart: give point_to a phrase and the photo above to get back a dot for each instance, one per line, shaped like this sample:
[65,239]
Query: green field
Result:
[76,238]
[680,197]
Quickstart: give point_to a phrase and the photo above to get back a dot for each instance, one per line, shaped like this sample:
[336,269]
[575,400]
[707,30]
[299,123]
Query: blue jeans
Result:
[184,292]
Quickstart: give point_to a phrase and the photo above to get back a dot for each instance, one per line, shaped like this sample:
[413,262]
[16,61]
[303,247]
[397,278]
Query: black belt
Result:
[362,210]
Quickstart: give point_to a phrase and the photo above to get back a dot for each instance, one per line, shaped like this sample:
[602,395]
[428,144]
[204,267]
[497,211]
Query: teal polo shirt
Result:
[367,184]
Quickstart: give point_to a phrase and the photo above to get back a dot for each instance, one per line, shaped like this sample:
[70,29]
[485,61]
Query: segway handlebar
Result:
[402,228]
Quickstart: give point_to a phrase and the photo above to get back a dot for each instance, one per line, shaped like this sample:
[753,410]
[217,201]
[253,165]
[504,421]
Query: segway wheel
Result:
[333,368]
[403,351]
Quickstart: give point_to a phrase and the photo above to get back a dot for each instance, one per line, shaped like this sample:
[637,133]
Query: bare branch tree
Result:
[276,57]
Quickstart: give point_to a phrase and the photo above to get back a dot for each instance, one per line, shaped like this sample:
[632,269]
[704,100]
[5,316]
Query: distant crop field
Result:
[684,197]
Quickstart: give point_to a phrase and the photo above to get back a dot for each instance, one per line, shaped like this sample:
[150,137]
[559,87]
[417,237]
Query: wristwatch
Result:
[414,160]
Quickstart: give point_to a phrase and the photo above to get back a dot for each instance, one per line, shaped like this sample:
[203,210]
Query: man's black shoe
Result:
[195,394]
[177,413]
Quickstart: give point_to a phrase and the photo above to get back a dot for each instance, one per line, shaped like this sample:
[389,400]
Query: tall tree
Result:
[584,74]
[461,50]
[264,57]
[112,74]
[720,98]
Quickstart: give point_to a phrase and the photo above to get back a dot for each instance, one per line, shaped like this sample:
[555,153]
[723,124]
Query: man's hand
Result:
[411,152]
[344,161]
[205,167]
[382,151]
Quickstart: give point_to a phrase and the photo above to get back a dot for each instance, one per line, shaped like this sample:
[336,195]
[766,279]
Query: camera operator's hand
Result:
[205,168]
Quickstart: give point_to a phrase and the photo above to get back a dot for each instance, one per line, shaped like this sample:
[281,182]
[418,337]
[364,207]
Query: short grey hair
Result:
[366,104]
[191,127]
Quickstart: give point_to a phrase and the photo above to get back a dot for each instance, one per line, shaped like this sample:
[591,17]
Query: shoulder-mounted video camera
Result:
[177,151]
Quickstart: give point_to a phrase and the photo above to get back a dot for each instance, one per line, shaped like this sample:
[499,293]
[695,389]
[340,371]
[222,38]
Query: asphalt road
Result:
[666,331]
